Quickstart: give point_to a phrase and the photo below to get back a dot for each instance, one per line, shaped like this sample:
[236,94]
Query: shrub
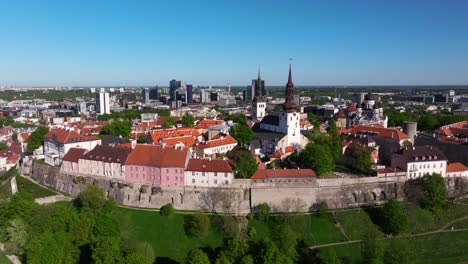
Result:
[197,225]
[263,212]
[167,209]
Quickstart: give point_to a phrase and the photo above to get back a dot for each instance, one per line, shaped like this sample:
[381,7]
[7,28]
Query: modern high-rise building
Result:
[189,94]
[102,103]
[153,93]
[173,86]
[145,95]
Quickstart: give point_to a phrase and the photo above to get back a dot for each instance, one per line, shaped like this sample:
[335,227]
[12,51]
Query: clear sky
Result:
[348,42]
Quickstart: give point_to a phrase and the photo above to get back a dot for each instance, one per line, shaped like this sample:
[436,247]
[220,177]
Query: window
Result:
[136,175]
[167,178]
[176,178]
[225,174]
[136,168]
[215,174]
[226,182]
[167,170]
[215,181]
[203,174]
[441,165]
[131,175]
[131,168]
[193,180]
[193,173]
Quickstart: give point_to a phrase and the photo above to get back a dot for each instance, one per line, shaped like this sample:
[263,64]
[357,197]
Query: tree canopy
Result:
[393,217]
[245,164]
[242,133]
[36,139]
[434,192]
[317,157]
[119,128]
[188,120]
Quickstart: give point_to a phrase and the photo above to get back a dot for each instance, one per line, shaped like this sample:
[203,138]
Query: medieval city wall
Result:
[245,195]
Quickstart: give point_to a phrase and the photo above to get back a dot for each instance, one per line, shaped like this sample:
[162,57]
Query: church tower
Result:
[289,118]
[258,103]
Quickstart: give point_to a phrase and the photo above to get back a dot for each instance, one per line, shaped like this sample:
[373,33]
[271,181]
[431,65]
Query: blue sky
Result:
[348,42]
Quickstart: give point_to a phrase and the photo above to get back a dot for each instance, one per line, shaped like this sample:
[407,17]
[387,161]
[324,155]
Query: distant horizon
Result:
[329,43]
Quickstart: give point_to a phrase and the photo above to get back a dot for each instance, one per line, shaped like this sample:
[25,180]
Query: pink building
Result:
[156,165]
[70,160]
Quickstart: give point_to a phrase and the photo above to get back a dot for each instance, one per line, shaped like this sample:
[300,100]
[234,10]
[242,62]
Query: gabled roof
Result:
[206,123]
[74,154]
[456,167]
[285,173]
[157,156]
[109,154]
[217,141]
[204,165]
[68,136]
[157,135]
[272,120]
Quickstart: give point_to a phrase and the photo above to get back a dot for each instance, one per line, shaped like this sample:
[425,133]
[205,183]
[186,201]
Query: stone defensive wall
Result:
[244,195]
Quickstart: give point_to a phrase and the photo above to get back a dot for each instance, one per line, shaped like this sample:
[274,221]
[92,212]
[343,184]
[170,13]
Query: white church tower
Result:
[289,118]
[259,102]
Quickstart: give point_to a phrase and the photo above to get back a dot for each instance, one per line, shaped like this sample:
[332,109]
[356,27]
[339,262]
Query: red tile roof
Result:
[188,141]
[352,107]
[68,136]
[218,141]
[206,123]
[285,173]
[380,131]
[456,167]
[453,129]
[74,154]
[157,156]
[157,135]
[208,165]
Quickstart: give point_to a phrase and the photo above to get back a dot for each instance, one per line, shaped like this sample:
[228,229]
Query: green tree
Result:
[188,120]
[14,137]
[167,210]
[141,139]
[92,197]
[197,224]
[196,256]
[52,248]
[245,164]
[119,128]
[362,162]
[428,122]
[170,122]
[138,250]
[286,241]
[17,236]
[3,146]
[332,130]
[263,212]
[267,252]
[106,250]
[434,192]
[242,133]
[36,139]
[394,218]
[318,158]
[370,250]
[407,144]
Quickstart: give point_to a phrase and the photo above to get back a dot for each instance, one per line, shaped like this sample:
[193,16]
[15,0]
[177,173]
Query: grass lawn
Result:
[4,259]
[165,234]
[25,185]
[314,230]
[444,248]
[460,225]
[355,223]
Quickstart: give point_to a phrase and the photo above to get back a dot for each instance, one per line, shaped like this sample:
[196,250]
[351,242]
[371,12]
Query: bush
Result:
[197,225]
[263,212]
[434,193]
[226,224]
[394,220]
[167,210]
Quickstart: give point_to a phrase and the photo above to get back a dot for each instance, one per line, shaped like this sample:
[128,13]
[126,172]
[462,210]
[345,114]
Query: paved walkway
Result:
[53,199]
[13,258]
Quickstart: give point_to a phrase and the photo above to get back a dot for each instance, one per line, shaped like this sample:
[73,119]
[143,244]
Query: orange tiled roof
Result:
[188,141]
[206,123]
[279,173]
[208,165]
[456,167]
[68,136]
[157,135]
[453,129]
[380,131]
[157,156]
[216,142]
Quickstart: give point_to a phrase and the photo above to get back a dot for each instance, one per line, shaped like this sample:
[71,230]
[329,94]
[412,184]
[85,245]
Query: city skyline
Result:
[121,43]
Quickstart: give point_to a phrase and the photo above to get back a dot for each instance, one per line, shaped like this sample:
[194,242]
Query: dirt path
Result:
[440,230]
[13,258]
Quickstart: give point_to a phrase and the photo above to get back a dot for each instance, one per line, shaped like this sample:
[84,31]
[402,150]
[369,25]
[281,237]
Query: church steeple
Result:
[259,78]
[289,105]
